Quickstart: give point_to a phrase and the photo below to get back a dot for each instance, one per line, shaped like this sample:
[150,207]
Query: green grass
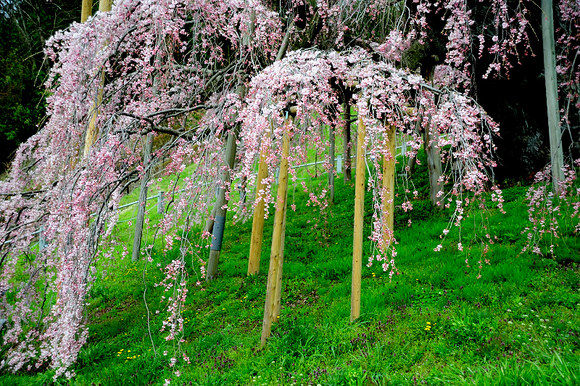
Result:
[519,324]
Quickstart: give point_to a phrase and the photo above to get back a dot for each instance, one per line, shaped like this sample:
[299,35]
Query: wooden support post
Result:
[258,221]
[331,171]
[389,188]
[93,130]
[142,200]
[105,5]
[276,255]
[86,10]
[358,223]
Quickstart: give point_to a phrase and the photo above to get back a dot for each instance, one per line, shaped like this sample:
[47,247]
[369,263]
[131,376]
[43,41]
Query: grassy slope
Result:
[517,324]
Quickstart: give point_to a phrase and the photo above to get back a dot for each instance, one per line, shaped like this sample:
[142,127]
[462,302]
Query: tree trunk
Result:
[142,200]
[358,224]
[411,165]
[556,153]
[433,165]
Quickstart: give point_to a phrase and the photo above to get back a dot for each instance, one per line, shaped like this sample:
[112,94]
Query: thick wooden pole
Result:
[278,295]
[142,200]
[105,5]
[258,221]
[358,223]
[389,187]
[86,10]
[92,131]
[556,153]
[275,270]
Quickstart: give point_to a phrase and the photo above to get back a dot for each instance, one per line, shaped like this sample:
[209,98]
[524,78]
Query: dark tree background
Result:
[25,25]
[517,102]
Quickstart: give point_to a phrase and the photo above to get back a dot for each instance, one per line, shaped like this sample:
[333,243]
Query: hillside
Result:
[434,323]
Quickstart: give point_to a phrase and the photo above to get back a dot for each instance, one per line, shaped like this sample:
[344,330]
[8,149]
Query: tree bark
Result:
[556,152]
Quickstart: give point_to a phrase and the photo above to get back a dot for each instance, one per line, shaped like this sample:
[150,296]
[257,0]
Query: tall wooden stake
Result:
[258,221]
[92,131]
[276,256]
[389,186]
[142,200]
[105,5]
[278,296]
[358,223]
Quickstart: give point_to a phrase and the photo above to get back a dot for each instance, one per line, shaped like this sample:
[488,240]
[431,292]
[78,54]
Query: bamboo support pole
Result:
[105,5]
[389,187]
[358,223]
[92,131]
[276,255]
[258,221]
[86,10]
